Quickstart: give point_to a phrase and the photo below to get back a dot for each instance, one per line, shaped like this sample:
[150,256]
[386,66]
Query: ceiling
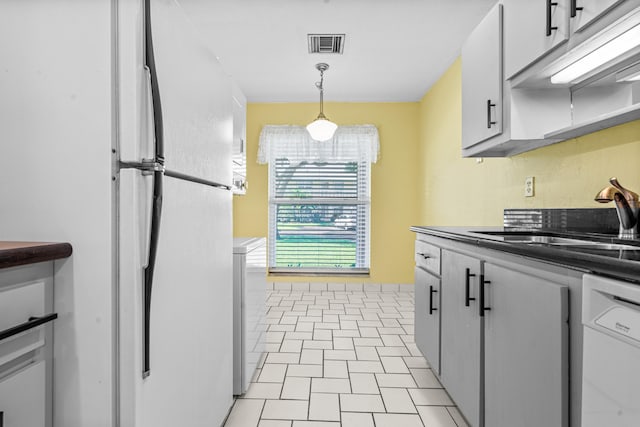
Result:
[394,49]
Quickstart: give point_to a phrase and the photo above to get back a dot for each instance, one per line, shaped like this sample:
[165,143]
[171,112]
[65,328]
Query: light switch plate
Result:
[529,186]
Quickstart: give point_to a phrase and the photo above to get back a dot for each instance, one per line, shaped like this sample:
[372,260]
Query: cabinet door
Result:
[526,337]
[482,80]
[532,28]
[22,397]
[427,317]
[461,334]
[584,12]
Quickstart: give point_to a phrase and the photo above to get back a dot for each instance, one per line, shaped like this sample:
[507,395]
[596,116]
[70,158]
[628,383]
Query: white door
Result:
[526,354]
[196,98]
[427,317]
[588,11]
[461,334]
[22,398]
[191,305]
[532,28]
[482,81]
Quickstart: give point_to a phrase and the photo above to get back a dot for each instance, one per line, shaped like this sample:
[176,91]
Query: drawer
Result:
[22,397]
[427,256]
[18,303]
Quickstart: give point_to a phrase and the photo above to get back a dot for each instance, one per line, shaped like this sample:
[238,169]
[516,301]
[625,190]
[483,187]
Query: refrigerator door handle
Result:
[150,167]
[150,68]
[156,215]
[146,166]
[156,166]
[195,179]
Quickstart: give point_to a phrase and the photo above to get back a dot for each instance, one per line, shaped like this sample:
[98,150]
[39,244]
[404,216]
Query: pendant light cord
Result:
[321,87]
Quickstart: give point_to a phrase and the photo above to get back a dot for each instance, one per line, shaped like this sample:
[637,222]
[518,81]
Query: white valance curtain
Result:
[350,143]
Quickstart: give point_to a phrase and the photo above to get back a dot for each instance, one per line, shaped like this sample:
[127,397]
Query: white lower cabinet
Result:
[461,334]
[526,350]
[427,317]
[26,345]
[504,342]
[23,397]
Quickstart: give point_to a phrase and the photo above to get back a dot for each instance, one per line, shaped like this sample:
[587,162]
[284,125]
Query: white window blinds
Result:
[319,199]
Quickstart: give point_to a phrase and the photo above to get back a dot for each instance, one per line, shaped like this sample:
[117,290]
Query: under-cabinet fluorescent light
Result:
[612,49]
[629,74]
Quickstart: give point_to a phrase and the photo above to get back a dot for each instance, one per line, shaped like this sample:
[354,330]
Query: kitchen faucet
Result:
[627,207]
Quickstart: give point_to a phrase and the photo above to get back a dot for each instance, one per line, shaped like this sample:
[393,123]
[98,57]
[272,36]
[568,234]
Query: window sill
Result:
[352,272]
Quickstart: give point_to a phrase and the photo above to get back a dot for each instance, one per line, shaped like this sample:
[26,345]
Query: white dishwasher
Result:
[249,308]
[611,359]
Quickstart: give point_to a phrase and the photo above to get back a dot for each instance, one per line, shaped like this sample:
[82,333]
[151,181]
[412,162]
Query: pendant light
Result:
[321,129]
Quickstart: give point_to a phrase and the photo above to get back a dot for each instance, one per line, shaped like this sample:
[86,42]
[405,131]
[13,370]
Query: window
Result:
[319,200]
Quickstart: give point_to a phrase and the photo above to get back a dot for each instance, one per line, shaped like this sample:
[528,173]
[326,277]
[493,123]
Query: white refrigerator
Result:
[78,115]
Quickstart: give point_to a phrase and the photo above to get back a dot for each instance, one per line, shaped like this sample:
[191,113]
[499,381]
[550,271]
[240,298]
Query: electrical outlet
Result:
[529,186]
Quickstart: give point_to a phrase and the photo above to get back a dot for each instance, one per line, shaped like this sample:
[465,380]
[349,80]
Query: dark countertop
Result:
[13,254]
[617,263]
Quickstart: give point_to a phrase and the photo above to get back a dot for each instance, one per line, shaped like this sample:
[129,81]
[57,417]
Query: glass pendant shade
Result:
[321,129]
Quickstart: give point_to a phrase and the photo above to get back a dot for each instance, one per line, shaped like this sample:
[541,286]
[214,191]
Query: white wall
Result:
[55,181]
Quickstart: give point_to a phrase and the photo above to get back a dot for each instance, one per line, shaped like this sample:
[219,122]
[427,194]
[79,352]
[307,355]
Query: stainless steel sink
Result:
[526,237]
[555,240]
[547,240]
[606,246]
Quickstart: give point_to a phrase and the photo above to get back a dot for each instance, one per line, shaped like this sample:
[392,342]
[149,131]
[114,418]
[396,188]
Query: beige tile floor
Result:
[343,358]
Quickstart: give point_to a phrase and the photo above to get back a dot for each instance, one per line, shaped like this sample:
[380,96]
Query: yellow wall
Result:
[394,207]
[457,191]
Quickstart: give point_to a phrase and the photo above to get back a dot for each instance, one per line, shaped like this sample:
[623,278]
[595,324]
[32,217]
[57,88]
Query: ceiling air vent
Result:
[326,43]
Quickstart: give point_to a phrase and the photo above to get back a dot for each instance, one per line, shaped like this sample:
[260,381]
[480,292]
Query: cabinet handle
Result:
[431,292]
[467,280]
[489,121]
[423,255]
[575,8]
[1,418]
[482,307]
[30,324]
[550,27]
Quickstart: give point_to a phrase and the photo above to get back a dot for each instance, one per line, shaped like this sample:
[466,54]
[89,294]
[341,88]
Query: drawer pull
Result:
[482,283]
[423,255]
[550,27]
[467,284]
[431,292]
[575,8]
[489,121]
[33,322]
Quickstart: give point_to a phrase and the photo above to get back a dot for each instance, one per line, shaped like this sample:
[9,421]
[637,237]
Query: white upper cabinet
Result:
[513,97]
[585,12]
[496,119]
[532,29]
[482,80]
